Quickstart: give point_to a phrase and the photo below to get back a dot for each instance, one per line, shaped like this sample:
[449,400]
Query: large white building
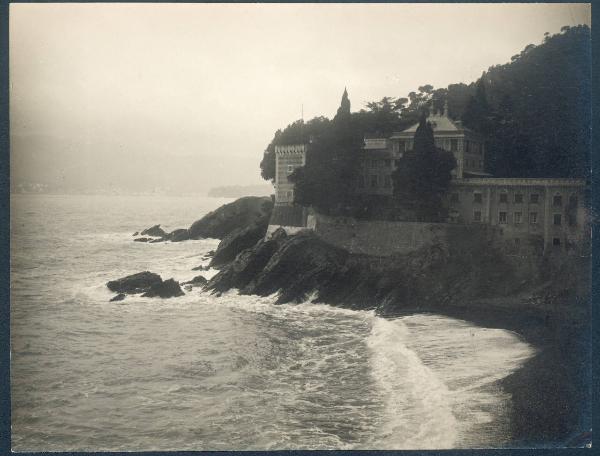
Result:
[537,213]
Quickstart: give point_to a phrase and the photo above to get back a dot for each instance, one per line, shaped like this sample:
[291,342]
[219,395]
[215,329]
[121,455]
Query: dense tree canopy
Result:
[299,132]
[327,181]
[423,175]
[534,111]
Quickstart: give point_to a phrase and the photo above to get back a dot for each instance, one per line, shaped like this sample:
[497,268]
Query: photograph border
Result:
[5,402]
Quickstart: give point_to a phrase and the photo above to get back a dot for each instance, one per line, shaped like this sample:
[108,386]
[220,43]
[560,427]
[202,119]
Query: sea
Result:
[228,372]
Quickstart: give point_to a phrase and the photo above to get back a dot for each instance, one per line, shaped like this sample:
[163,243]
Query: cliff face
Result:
[302,265]
[464,278]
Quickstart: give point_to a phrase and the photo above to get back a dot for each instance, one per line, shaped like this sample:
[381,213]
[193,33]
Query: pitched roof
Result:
[439,122]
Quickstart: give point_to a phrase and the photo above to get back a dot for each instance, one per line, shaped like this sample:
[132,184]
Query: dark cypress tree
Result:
[423,176]
[477,114]
[328,179]
[344,109]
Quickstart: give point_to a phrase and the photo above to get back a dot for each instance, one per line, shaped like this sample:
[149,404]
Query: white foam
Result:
[418,413]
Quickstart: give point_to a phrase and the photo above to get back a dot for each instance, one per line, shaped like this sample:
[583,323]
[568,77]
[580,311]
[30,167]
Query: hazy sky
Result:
[139,84]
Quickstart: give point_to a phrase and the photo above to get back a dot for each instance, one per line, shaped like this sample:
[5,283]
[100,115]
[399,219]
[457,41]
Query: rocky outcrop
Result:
[198,281]
[178,235]
[135,283]
[154,231]
[148,283]
[245,217]
[238,240]
[239,214]
[303,264]
[164,289]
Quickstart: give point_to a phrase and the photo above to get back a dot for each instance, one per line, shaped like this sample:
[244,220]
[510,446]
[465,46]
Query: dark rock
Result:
[178,235]
[118,297]
[245,267]
[238,240]
[154,241]
[167,289]
[201,268]
[136,233]
[241,213]
[198,280]
[142,239]
[155,231]
[135,283]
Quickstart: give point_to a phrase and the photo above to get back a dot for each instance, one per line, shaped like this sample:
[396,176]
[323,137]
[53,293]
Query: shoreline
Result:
[546,392]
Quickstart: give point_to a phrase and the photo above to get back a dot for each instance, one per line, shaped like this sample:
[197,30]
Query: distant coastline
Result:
[238,191]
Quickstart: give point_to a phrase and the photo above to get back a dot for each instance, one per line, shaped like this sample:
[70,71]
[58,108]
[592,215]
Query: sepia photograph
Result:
[302,226]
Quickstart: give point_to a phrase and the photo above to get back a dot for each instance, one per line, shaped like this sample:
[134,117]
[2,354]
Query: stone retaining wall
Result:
[383,238]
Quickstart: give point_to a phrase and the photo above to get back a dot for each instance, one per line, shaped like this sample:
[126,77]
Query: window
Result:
[361,181]
[388,163]
[373,163]
[373,181]
[477,198]
[502,217]
[533,218]
[534,198]
[387,183]
[290,169]
[557,200]
[573,202]
[397,163]
[468,146]
[557,219]
[517,242]
[518,198]
[454,197]
[503,197]
[518,218]
[290,194]
[556,242]
[480,164]
[477,216]
[454,145]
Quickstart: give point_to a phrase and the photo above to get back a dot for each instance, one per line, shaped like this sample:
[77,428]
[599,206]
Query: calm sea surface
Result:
[218,373]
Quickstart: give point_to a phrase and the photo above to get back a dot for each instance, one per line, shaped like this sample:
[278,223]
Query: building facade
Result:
[287,159]
[530,214]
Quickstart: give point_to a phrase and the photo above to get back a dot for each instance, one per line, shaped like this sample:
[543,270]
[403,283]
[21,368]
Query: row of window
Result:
[376,181]
[285,195]
[473,163]
[534,198]
[378,163]
[555,242]
[518,218]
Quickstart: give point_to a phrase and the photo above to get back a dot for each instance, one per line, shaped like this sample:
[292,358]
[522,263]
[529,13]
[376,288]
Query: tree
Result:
[478,113]
[298,132]
[344,109]
[327,181]
[423,176]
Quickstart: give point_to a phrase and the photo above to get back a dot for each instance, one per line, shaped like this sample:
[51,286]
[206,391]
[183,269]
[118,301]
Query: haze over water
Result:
[202,372]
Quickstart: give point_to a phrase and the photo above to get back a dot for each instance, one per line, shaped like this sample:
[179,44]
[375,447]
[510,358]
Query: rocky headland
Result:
[249,214]
[468,279]
[546,303]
